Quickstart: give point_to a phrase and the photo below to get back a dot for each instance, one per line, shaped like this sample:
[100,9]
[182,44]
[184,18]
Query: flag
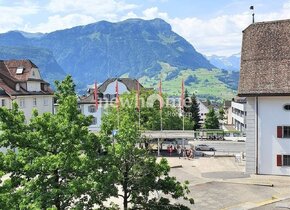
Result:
[138,95]
[182,95]
[96,96]
[117,95]
[160,94]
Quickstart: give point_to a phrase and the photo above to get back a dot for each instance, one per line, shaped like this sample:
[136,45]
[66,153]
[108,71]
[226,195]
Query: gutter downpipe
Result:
[257,136]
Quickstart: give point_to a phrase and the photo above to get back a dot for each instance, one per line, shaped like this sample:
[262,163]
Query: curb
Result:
[251,205]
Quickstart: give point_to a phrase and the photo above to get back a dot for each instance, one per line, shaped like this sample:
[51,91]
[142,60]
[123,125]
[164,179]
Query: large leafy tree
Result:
[57,163]
[139,175]
[211,120]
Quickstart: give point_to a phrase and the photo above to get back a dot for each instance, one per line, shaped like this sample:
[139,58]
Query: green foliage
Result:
[191,108]
[52,168]
[211,120]
[138,173]
[221,113]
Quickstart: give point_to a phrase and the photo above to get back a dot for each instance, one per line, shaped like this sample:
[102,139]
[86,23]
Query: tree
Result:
[191,108]
[211,120]
[221,113]
[137,172]
[52,168]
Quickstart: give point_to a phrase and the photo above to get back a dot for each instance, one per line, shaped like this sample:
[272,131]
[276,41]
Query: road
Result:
[223,146]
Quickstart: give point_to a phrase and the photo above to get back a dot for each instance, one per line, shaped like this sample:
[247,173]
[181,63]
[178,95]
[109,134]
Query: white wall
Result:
[251,136]
[33,86]
[98,115]
[271,115]
[40,106]
[203,110]
[111,88]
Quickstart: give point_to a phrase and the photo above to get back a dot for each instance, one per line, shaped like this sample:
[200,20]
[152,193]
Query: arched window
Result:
[287,107]
[17,87]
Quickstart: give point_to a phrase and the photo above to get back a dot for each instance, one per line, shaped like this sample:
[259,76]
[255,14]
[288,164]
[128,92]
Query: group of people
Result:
[181,151]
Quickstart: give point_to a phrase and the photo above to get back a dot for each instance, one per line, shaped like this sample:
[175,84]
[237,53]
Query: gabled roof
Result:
[9,78]
[131,84]
[265,59]
[12,66]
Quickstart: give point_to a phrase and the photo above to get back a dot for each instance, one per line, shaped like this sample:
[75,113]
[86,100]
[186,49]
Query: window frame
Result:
[34,102]
[22,102]
[288,160]
[281,132]
[92,109]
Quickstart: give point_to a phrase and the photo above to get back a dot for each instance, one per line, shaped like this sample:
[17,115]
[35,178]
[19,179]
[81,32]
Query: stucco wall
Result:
[271,115]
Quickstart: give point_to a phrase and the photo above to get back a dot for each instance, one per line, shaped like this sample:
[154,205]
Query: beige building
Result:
[20,81]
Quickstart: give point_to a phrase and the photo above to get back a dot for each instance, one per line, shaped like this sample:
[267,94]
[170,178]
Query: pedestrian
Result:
[179,151]
[170,150]
[184,152]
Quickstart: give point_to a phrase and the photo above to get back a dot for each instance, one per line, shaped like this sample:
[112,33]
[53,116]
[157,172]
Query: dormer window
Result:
[19,70]
[17,87]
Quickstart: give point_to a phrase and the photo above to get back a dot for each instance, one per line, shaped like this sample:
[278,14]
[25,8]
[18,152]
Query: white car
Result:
[204,147]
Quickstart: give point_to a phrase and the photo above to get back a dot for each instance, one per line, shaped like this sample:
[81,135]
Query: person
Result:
[179,151]
[170,150]
[184,152]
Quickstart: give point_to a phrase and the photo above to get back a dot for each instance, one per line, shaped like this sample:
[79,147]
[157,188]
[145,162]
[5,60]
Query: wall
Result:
[271,115]
[33,86]
[111,88]
[27,109]
[251,136]
[98,115]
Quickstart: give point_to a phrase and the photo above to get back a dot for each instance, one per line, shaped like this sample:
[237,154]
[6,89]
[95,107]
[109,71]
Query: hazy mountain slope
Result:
[226,62]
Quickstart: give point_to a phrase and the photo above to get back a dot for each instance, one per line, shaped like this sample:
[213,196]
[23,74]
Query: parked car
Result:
[204,147]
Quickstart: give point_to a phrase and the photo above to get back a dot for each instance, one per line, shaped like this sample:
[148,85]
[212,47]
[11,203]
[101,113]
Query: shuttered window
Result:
[279,131]
[279,160]
[283,131]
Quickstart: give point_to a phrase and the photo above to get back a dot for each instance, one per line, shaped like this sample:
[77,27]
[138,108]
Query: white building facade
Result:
[239,114]
[21,82]
[106,98]
[264,80]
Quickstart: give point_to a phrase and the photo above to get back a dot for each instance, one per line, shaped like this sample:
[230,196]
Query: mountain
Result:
[135,48]
[223,62]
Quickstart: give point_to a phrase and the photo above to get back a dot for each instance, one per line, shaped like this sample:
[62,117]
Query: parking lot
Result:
[220,183]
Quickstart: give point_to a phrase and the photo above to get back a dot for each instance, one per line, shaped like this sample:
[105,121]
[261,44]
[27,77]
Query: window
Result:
[92,108]
[95,120]
[287,107]
[34,102]
[286,160]
[283,160]
[22,103]
[45,101]
[283,131]
[33,74]
[19,70]
[17,87]
[2,102]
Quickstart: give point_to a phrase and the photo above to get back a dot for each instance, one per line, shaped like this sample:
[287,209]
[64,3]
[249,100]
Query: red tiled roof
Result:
[9,78]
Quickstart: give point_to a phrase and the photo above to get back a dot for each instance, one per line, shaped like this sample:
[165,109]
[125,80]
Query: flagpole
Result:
[117,103]
[138,104]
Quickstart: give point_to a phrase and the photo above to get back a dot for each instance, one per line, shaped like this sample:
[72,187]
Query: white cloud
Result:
[221,35]
[57,22]
[96,8]
[12,17]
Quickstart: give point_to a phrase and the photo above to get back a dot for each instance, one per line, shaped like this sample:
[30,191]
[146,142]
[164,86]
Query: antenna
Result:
[253,14]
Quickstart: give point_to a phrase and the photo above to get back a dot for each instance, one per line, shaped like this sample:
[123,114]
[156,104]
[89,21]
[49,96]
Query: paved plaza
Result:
[220,183]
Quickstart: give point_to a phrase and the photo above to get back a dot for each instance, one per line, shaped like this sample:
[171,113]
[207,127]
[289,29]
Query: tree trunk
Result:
[125,187]
[57,199]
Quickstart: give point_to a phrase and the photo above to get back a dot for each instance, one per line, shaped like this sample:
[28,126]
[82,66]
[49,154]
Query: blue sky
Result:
[211,26]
